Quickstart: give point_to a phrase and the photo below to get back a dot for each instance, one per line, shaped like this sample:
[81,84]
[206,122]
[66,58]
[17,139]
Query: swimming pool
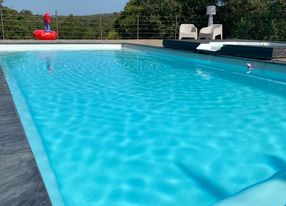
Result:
[142,126]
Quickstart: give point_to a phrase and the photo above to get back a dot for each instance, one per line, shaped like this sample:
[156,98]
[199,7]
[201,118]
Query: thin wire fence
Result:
[250,26]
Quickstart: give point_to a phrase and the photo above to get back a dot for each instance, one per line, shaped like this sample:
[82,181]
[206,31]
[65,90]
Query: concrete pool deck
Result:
[20,180]
[147,42]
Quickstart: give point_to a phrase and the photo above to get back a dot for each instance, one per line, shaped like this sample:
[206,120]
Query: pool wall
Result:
[262,69]
[239,48]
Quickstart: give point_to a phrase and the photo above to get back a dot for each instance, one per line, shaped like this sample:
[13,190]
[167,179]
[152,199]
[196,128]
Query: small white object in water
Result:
[249,67]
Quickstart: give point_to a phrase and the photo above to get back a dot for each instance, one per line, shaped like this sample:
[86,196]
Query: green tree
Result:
[279,23]
[242,19]
[152,16]
[72,28]
[15,25]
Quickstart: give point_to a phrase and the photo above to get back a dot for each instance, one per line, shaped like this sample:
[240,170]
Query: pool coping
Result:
[20,181]
[155,43]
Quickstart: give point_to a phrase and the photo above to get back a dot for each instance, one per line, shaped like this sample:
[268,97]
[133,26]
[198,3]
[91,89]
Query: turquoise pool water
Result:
[144,128]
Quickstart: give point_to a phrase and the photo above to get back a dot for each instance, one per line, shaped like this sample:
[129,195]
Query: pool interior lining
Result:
[2,76]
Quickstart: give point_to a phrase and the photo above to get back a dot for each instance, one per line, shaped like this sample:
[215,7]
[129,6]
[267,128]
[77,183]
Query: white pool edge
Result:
[51,47]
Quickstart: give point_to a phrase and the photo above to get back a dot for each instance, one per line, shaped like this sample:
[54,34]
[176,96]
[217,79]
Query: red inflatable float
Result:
[46,33]
[43,35]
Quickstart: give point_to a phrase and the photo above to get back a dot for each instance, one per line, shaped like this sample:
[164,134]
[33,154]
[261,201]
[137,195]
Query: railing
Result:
[249,26]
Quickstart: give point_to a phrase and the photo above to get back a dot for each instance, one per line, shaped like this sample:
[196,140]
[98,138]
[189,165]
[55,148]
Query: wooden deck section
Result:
[20,181]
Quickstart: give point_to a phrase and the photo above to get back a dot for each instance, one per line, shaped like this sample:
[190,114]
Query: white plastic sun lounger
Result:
[211,32]
[188,31]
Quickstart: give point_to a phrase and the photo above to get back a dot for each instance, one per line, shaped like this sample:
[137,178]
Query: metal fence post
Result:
[100,22]
[247,25]
[57,26]
[271,19]
[138,26]
[176,27]
[2,26]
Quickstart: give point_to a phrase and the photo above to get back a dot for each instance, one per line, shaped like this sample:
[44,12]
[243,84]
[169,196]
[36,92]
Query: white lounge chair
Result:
[188,31]
[211,32]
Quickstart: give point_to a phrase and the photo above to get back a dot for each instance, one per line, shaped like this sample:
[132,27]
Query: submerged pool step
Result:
[265,193]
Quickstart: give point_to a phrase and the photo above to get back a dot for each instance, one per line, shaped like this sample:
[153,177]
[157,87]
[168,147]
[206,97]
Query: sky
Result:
[66,7]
